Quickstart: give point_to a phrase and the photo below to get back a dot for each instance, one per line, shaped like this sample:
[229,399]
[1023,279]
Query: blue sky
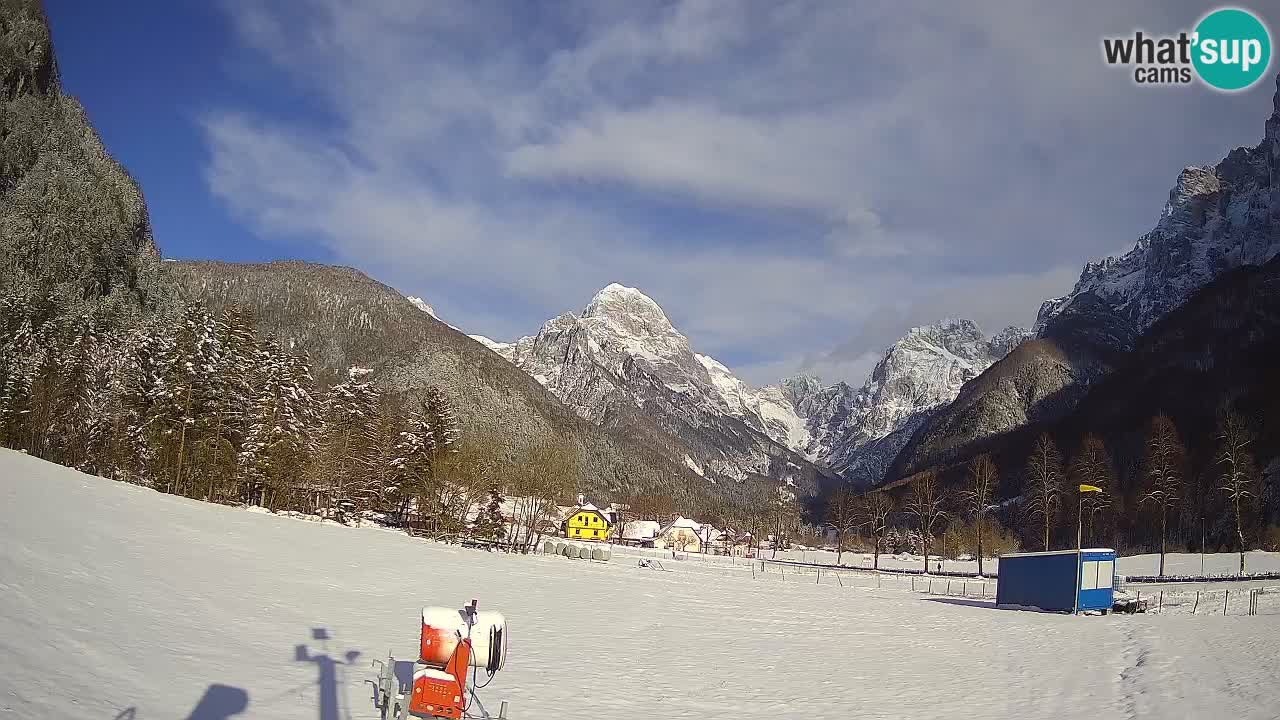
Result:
[796,183]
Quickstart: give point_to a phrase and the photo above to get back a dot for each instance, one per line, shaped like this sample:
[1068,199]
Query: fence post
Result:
[913,583]
[948,587]
[930,586]
[1197,603]
[1225,594]
[1160,603]
[819,573]
[964,588]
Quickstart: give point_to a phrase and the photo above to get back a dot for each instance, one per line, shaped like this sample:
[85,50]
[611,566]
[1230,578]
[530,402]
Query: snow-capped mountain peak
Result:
[919,373]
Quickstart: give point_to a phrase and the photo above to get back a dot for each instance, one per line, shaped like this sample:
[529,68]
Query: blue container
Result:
[1048,580]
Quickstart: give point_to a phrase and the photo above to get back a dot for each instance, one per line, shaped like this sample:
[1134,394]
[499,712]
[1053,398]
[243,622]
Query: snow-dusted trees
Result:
[874,509]
[977,494]
[1044,480]
[281,420]
[346,460]
[1164,461]
[926,502]
[1239,480]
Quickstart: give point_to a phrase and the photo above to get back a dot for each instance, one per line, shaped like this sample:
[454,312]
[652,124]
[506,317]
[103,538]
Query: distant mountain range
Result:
[621,350]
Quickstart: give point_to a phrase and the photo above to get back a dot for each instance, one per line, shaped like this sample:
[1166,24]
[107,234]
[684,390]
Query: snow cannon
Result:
[452,642]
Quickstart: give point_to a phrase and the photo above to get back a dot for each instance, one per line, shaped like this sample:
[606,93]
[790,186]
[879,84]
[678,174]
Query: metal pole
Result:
[1075,602]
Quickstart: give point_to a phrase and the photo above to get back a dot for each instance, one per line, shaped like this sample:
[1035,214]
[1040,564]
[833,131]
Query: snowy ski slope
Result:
[120,602]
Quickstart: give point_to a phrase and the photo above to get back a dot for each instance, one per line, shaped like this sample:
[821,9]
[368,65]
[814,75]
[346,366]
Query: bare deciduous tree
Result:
[1164,462]
[842,514]
[1044,483]
[1092,466]
[926,502]
[874,510]
[976,496]
[1239,481]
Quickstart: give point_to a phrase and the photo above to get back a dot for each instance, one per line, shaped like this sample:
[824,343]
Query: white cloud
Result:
[782,177]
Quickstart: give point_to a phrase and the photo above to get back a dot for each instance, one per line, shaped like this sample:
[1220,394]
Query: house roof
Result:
[641,530]
[587,508]
[680,523]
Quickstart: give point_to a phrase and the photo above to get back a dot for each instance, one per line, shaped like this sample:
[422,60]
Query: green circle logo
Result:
[1232,49]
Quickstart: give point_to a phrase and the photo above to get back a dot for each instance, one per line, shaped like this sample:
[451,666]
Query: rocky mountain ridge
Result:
[1216,219]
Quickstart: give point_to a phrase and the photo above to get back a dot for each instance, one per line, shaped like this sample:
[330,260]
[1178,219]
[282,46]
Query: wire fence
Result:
[1226,601]
[1241,601]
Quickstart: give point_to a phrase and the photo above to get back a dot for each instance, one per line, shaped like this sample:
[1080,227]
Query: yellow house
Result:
[587,523]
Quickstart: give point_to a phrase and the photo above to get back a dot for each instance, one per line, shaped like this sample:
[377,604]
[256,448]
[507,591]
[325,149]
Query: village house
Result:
[640,533]
[681,535]
[587,522]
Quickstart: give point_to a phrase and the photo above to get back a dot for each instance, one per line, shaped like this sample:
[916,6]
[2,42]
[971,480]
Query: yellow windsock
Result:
[1089,488]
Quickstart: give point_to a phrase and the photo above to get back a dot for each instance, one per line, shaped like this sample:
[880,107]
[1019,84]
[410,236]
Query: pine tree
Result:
[279,439]
[490,524]
[150,412]
[437,413]
[197,360]
[349,441]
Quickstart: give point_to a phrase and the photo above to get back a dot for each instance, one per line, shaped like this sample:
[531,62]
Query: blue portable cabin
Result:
[1048,580]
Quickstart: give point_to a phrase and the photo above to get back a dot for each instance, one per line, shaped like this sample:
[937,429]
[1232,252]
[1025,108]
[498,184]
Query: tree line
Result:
[1169,501]
[203,406]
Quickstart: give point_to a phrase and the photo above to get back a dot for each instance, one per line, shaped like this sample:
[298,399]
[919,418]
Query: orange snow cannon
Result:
[444,656]
[452,642]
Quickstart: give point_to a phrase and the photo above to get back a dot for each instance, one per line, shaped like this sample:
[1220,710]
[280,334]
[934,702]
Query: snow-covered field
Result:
[119,602]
